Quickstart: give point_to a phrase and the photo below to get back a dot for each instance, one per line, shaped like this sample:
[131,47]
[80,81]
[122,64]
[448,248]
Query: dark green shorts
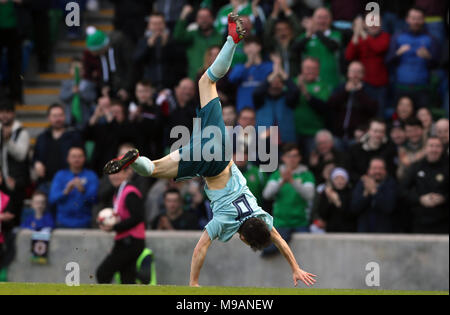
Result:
[192,163]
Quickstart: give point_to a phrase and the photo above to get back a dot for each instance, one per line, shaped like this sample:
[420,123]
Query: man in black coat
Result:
[374,144]
[425,189]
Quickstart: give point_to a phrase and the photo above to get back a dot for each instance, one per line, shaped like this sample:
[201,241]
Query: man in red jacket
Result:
[370,45]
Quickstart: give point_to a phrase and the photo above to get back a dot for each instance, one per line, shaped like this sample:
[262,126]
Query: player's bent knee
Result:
[204,81]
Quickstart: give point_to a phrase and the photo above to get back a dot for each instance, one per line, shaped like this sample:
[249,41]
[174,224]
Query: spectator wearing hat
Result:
[333,204]
[108,62]
[414,148]
[14,149]
[374,199]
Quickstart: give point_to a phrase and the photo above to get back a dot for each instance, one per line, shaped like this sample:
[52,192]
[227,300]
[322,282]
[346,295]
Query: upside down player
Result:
[235,209]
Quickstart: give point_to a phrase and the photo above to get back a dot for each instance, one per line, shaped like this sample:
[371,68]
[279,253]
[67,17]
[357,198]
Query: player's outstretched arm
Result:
[297,273]
[198,258]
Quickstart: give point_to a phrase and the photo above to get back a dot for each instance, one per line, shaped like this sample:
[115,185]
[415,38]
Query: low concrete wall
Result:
[406,262]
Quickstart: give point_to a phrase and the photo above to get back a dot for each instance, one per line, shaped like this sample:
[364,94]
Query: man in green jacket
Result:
[323,43]
[293,188]
[311,112]
[199,40]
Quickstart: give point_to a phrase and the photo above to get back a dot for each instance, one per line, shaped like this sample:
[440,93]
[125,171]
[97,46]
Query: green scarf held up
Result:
[76,110]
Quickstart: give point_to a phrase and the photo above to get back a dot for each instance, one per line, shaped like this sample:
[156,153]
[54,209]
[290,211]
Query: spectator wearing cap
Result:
[333,204]
[73,192]
[412,54]
[374,199]
[14,163]
[199,40]
[425,190]
[414,148]
[108,62]
[250,75]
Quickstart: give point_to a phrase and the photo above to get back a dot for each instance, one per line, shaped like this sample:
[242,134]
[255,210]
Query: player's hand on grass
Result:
[306,277]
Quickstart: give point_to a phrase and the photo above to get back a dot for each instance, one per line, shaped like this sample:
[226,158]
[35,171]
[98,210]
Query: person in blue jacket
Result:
[250,75]
[73,192]
[412,55]
[40,219]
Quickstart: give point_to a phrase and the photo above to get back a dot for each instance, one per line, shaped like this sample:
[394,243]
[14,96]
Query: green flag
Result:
[76,111]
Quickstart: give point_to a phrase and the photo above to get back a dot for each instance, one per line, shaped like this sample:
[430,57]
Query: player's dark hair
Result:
[256,233]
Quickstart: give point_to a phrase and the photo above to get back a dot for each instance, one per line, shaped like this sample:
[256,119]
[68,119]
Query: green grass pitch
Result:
[61,289]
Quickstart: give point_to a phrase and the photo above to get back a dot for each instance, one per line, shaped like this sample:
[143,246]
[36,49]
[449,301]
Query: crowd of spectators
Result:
[362,113]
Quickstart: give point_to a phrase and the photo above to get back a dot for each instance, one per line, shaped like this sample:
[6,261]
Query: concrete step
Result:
[37,96]
[32,111]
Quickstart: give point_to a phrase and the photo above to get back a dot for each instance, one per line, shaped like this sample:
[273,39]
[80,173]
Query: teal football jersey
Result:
[231,206]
